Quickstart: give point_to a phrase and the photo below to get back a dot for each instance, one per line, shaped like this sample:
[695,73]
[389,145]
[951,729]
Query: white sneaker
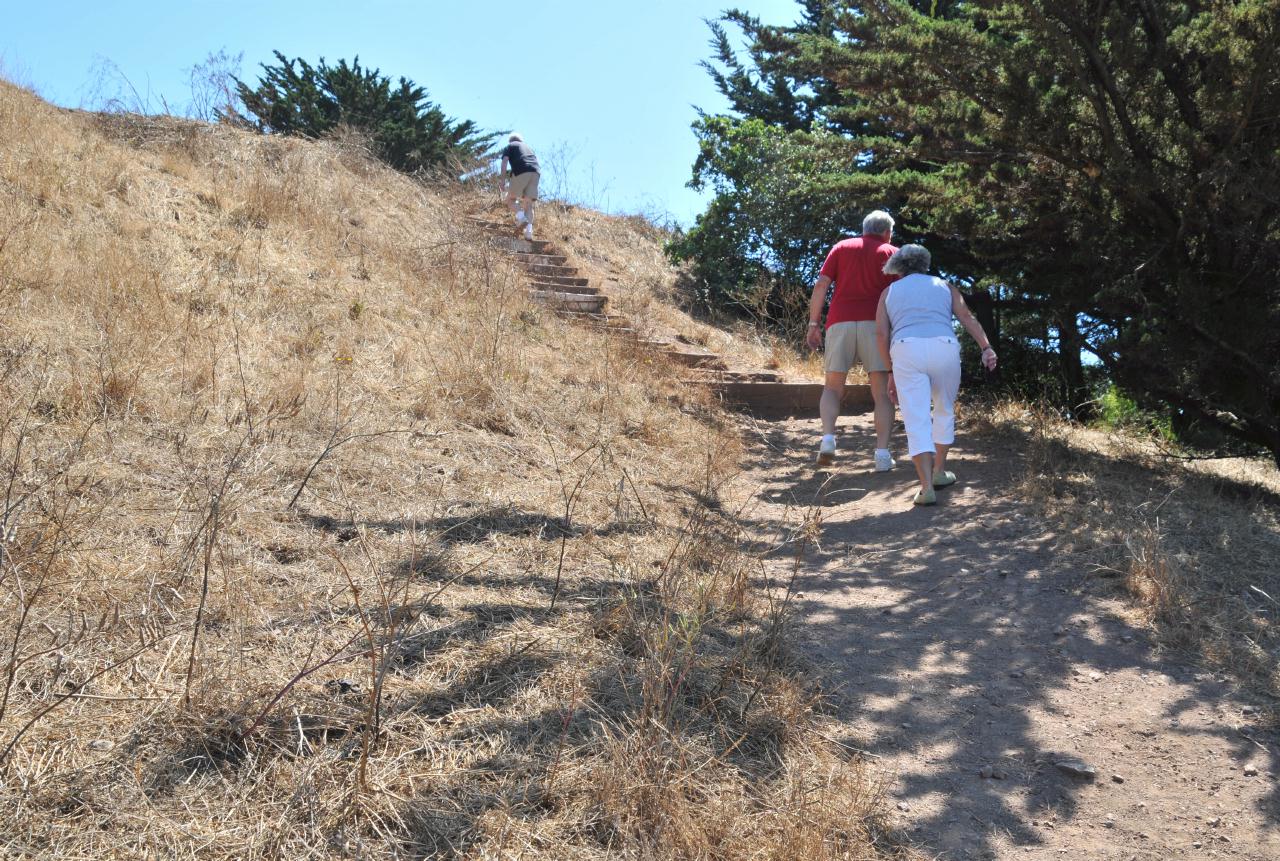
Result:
[827,451]
[528,232]
[884,461]
[520,219]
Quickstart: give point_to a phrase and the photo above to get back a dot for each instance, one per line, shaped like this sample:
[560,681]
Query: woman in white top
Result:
[918,342]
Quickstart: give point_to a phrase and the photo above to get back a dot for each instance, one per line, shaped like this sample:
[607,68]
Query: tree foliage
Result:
[1109,168]
[406,129]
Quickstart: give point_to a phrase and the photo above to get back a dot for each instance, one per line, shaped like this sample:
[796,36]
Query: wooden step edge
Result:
[563,288]
[721,375]
[783,399]
[559,271]
[576,300]
[523,258]
[564,280]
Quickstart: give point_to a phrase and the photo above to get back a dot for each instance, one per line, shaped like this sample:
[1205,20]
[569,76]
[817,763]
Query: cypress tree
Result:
[408,131]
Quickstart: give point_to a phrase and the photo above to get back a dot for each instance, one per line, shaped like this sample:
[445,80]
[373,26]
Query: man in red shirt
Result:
[856,267]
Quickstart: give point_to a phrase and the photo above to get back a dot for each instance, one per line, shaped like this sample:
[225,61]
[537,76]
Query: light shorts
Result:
[850,344]
[524,185]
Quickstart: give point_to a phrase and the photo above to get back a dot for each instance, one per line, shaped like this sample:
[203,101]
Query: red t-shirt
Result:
[857,268]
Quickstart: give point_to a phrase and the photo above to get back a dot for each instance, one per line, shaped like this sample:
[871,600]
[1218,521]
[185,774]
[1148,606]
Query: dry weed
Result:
[319,541]
[1194,543]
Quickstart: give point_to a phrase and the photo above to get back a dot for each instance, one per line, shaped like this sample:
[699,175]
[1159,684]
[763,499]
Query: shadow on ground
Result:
[956,638]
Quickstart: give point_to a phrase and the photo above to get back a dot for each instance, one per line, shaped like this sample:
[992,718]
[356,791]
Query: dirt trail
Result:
[956,642]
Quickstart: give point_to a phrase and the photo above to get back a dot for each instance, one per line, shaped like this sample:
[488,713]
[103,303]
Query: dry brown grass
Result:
[1194,543]
[624,254]
[319,541]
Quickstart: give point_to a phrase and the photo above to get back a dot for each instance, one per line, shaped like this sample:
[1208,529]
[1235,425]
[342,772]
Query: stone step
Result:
[694,360]
[543,259]
[570,301]
[615,323]
[774,400]
[522,246]
[681,356]
[543,270]
[499,226]
[563,280]
[712,375]
[553,287]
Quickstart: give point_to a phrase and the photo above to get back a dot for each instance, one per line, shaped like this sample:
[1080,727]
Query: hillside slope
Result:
[320,541]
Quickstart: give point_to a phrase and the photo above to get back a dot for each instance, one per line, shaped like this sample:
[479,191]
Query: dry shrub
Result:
[319,541]
[1194,543]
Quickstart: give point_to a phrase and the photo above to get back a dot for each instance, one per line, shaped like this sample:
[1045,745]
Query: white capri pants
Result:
[927,371]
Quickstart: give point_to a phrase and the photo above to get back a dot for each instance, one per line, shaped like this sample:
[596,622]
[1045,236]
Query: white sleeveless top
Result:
[919,306]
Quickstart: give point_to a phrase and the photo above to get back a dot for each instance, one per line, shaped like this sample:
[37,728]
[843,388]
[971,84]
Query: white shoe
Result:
[520,219]
[528,232]
[884,461]
[827,452]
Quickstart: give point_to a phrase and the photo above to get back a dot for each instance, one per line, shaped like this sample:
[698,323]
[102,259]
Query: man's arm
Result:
[973,327]
[818,298]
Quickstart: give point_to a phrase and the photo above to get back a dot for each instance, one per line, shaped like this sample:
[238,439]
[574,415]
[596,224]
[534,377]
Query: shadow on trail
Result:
[945,629]
[477,524]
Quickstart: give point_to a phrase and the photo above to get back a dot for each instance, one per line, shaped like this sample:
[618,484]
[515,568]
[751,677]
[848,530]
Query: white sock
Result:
[828,437]
[520,219]
[881,451]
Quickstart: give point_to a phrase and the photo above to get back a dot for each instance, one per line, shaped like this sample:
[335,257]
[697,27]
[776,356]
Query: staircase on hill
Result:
[553,282]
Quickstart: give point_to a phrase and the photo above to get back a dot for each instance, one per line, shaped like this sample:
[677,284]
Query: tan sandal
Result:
[946,478]
[925,497]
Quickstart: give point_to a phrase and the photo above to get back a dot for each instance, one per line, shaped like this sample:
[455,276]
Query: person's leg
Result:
[517,191]
[911,377]
[838,346]
[832,395]
[924,470]
[940,457]
[883,407]
[944,376]
[530,196]
[868,355]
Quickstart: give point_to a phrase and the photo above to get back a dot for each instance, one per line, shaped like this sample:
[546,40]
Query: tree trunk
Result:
[983,307]
[1075,390]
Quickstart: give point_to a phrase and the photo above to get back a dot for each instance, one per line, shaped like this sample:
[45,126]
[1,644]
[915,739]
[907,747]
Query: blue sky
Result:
[603,91]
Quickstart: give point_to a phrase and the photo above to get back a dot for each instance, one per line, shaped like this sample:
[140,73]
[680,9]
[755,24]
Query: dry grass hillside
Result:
[319,541]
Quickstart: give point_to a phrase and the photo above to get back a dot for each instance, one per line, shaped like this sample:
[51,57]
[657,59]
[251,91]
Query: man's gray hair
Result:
[879,222]
[908,260]
[515,136]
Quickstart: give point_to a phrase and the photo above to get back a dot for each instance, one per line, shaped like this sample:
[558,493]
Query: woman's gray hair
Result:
[879,222]
[908,260]
[515,136]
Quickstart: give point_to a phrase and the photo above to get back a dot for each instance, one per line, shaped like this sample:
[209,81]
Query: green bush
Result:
[1118,411]
[406,129]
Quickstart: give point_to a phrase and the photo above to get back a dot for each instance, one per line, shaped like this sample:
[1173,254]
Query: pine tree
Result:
[1110,167]
[407,130]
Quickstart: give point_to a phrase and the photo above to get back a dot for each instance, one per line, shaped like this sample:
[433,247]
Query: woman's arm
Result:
[883,331]
[973,327]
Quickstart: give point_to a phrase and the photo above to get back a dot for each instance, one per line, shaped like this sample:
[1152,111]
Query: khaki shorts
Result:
[850,344]
[524,185]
